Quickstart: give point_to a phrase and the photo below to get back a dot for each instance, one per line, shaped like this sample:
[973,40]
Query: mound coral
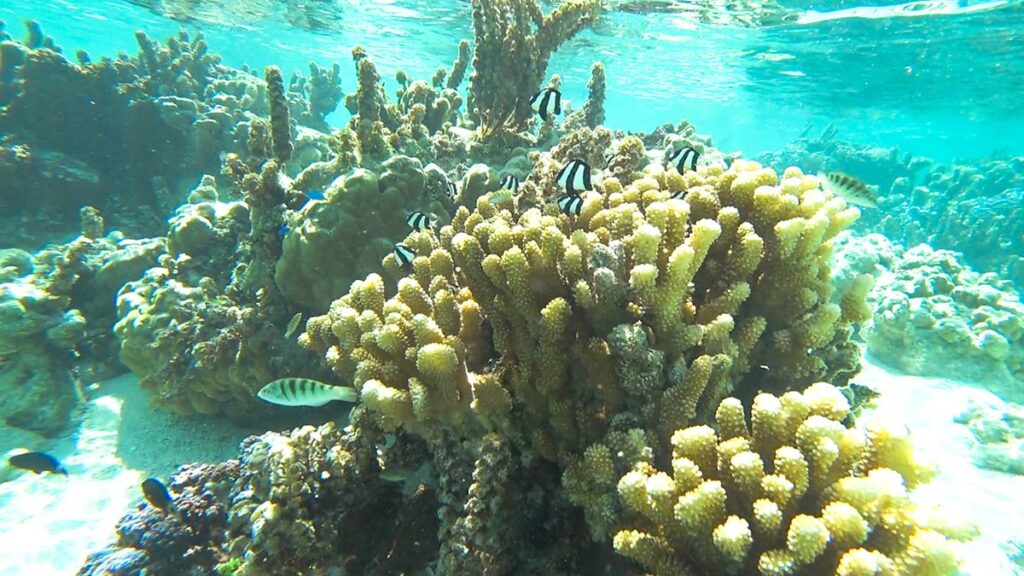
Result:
[796,492]
[930,308]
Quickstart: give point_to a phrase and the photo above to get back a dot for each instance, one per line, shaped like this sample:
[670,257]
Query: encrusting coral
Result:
[795,492]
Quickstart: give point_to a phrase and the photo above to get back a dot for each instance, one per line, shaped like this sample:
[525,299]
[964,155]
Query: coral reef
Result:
[311,271]
[45,300]
[975,210]
[513,42]
[999,432]
[476,292]
[931,309]
[184,540]
[796,492]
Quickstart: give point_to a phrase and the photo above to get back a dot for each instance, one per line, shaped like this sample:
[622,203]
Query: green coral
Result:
[540,294]
[797,492]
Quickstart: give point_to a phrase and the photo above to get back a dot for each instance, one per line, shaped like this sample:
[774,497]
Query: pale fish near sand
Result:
[304,392]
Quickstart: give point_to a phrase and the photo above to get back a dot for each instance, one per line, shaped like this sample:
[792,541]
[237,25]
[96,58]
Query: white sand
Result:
[49,524]
[995,501]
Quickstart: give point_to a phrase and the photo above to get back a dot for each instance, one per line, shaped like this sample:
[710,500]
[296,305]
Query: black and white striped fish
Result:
[404,254]
[574,177]
[570,204]
[451,189]
[683,157]
[679,195]
[511,183]
[419,221]
[305,392]
[547,102]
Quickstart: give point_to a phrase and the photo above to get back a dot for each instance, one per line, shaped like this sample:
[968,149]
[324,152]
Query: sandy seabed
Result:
[48,525]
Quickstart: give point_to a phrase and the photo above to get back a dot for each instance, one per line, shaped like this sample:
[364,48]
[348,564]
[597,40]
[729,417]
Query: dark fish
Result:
[37,462]
[570,204]
[404,254]
[452,190]
[419,221]
[679,195]
[315,195]
[574,177]
[510,182]
[547,102]
[156,494]
[683,157]
[283,229]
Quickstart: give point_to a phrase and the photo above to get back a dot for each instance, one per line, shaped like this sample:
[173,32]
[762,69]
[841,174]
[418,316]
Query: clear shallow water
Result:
[935,78]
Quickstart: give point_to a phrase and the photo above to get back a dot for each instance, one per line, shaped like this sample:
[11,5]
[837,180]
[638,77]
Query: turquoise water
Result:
[186,291]
[938,79]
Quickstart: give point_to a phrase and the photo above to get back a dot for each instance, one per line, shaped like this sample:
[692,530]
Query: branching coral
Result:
[513,41]
[796,492]
[503,315]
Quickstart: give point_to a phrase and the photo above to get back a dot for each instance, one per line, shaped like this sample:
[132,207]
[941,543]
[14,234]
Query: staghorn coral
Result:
[593,110]
[513,42]
[280,128]
[503,314]
[796,492]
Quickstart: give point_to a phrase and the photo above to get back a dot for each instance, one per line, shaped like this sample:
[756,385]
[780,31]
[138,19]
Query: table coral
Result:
[796,492]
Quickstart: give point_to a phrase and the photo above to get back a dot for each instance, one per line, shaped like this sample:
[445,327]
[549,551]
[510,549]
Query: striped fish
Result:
[451,189]
[848,188]
[511,183]
[419,221]
[304,392]
[574,177]
[570,205]
[404,254]
[547,103]
[679,195]
[680,158]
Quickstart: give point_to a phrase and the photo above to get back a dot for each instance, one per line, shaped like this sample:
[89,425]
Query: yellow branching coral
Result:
[645,306]
[798,494]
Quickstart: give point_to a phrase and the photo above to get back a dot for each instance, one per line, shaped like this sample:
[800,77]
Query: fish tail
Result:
[346,393]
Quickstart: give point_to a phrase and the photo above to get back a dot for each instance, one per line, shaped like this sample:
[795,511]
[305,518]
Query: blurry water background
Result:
[937,78]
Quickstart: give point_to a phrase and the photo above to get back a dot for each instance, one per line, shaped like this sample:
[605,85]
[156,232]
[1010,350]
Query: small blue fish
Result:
[315,195]
[37,462]
[156,494]
[283,229]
